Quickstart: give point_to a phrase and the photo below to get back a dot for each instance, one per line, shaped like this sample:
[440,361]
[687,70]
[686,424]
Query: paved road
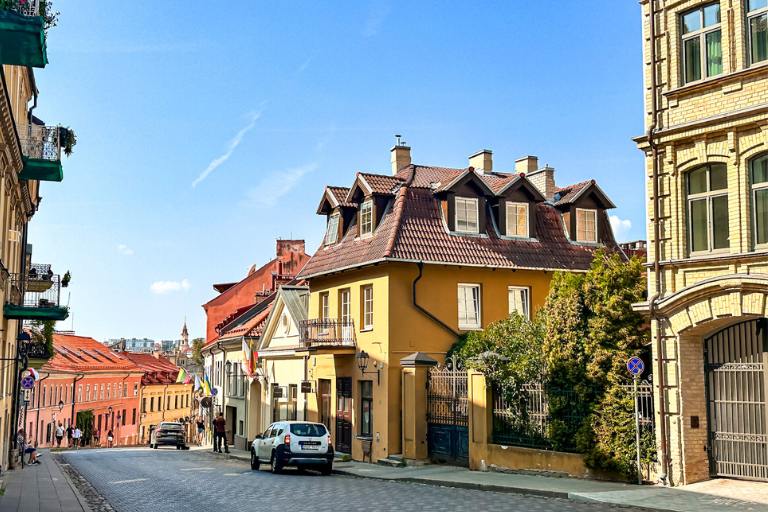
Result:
[138,480]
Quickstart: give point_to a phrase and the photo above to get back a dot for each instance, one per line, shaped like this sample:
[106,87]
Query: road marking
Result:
[196,469]
[128,481]
[232,474]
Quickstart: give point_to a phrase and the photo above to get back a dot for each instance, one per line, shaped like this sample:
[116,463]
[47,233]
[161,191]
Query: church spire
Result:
[185,334]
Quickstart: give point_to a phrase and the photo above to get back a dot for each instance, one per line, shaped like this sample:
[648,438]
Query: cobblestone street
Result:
[138,480]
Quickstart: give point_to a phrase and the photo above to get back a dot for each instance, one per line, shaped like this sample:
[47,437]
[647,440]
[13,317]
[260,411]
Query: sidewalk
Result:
[39,488]
[711,496]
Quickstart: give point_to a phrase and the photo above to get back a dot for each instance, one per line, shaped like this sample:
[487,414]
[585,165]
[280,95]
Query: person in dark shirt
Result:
[219,433]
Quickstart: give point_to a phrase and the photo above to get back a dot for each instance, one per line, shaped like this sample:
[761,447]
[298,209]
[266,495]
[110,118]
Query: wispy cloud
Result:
[163,287]
[376,17]
[124,250]
[304,65]
[621,227]
[231,147]
[276,185]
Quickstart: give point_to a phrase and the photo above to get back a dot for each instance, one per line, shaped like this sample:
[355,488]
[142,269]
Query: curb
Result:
[80,499]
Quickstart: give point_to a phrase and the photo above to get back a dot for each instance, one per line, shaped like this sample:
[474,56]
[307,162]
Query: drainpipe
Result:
[19,368]
[656,251]
[442,324]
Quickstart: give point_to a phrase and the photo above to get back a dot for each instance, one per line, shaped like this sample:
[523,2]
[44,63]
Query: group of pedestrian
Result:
[74,435]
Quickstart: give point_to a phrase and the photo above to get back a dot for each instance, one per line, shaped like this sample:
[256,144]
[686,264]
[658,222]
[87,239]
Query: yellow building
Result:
[706,148]
[161,398]
[30,152]
[410,262]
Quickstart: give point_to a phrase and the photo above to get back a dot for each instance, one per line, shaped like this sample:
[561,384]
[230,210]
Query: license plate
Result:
[309,444]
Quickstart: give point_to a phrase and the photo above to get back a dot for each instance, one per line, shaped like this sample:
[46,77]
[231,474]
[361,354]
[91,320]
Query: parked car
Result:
[168,433]
[300,444]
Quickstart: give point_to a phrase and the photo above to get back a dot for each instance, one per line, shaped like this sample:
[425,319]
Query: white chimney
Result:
[544,180]
[482,161]
[400,157]
[527,164]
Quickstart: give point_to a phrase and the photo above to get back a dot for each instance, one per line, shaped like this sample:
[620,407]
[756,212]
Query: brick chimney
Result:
[482,161]
[543,179]
[400,157]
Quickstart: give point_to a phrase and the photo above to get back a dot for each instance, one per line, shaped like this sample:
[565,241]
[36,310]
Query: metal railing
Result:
[548,418]
[24,7]
[41,142]
[35,296]
[317,332]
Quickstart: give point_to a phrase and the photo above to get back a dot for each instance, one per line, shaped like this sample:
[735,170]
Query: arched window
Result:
[707,204]
[758,172]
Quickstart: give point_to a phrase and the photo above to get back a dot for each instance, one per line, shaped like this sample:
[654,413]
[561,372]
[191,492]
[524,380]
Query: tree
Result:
[197,354]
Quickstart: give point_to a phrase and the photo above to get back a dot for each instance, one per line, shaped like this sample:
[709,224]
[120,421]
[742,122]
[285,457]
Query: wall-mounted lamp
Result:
[362,363]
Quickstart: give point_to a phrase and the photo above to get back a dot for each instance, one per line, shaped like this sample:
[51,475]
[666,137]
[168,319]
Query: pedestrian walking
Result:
[200,431]
[76,435]
[69,436]
[97,437]
[110,438]
[59,435]
[220,433]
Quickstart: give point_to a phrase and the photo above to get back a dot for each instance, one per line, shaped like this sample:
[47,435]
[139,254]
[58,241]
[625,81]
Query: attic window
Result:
[517,220]
[466,215]
[586,225]
[332,230]
[366,217]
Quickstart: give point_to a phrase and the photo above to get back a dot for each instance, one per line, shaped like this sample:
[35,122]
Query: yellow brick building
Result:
[706,147]
[410,262]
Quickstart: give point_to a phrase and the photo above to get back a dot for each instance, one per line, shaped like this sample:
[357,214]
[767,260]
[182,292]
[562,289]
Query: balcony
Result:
[40,298]
[41,146]
[22,34]
[327,333]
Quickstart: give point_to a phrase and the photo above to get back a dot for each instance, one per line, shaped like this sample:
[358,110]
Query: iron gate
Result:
[735,368]
[447,418]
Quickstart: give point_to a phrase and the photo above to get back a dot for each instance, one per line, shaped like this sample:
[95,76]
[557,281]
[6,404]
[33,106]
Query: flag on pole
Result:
[188,380]
[247,362]
[206,385]
[182,376]
[197,383]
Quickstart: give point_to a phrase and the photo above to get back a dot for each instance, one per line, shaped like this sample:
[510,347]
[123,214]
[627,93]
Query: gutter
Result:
[426,313]
[652,128]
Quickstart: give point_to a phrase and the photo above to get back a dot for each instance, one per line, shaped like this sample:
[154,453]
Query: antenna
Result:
[399,140]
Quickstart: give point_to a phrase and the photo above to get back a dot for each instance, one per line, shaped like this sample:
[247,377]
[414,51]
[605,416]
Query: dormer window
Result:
[332,230]
[517,220]
[586,225]
[366,217]
[466,215]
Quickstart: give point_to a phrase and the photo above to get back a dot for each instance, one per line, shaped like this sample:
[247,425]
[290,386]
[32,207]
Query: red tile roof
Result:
[157,370]
[80,354]
[413,230]
[569,193]
[340,195]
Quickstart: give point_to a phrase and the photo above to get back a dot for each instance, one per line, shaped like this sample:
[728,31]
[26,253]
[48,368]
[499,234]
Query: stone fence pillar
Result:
[415,373]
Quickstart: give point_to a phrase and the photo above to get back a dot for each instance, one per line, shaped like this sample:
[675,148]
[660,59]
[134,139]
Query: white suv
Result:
[293,443]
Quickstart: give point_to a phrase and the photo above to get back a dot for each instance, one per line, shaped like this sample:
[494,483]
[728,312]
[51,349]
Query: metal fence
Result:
[549,418]
[317,332]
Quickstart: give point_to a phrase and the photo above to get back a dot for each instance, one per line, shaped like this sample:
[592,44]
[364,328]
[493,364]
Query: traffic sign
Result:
[28,382]
[27,396]
[636,366]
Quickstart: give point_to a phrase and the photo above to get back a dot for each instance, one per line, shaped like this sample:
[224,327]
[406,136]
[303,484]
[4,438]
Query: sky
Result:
[206,130]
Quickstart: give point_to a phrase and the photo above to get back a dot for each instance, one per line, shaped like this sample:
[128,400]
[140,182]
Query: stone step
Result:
[391,461]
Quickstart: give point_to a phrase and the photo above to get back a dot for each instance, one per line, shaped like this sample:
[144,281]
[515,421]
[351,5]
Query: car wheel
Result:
[178,447]
[254,461]
[327,469]
[276,465]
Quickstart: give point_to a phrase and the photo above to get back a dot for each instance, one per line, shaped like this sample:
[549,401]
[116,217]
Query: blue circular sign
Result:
[635,365]
[28,382]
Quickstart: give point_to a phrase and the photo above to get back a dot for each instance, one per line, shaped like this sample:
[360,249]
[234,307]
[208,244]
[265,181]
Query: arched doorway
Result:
[735,366]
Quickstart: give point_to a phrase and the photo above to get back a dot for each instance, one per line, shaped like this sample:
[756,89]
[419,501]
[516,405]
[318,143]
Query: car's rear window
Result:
[171,426]
[308,429]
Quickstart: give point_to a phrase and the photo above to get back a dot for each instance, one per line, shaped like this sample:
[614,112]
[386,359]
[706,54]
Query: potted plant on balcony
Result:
[67,139]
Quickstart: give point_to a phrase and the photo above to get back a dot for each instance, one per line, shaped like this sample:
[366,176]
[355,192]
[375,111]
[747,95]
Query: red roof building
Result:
[236,298]
[85,376]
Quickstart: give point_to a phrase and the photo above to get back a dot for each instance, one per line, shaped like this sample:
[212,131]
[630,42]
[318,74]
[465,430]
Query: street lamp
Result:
[362,363]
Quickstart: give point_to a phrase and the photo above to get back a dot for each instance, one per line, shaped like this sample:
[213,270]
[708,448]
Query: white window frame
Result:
[465,323]
[756,187]
[324,309]
[709,195]
[345,305]
[366,217]
[755,13]
[512,208]
[367,300]
[701,35]
[526,300]
[332,229]
[467,203]
[593,212]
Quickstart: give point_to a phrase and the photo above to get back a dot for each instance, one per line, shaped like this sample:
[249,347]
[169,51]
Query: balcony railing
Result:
[42,142]
[35,295]
[23,7]
[318,332]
